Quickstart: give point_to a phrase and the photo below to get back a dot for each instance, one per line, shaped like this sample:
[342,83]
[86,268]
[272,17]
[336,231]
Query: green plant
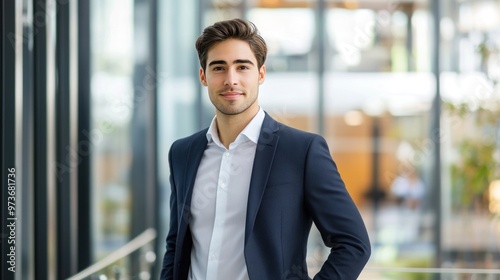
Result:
[472,173]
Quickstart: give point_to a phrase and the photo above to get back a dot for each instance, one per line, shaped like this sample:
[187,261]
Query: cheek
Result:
[214,80]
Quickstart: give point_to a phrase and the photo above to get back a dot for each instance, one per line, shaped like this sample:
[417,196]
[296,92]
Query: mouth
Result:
[231,95]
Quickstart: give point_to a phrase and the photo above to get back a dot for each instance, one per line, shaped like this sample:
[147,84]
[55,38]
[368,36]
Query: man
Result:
[246,190]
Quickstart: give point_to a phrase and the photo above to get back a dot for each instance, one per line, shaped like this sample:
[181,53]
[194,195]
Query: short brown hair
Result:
[235,29]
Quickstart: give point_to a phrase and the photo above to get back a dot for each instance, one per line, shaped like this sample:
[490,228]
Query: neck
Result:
[230,126]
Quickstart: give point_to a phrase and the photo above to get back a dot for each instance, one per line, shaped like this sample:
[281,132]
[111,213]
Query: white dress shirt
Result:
[219,205]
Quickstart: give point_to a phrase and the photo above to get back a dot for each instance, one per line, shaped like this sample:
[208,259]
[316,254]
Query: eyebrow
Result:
[237,61]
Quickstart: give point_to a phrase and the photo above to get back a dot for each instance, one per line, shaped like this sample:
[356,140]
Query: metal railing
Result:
[410,273]
[473,271]
[135,244]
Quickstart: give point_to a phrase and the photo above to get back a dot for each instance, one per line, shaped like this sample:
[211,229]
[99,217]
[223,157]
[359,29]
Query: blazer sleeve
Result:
[335,215]
[167,272]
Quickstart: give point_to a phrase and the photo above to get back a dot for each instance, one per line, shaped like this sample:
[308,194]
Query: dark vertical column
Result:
[84,193]
[455,43]
[409,39]
[65,155]
[320,43]
[244,6]
[143,179]
[27,159]
[154,195]
[436,134]
[40,137]
[7,126]
[202,7]
[376,192]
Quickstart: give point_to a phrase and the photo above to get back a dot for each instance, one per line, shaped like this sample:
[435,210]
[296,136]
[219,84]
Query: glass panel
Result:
[112,94]
[378,92]
[471,138]
[178,74]
[179,92]
[290,35]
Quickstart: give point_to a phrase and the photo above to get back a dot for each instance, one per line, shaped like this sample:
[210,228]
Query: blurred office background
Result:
[405,92]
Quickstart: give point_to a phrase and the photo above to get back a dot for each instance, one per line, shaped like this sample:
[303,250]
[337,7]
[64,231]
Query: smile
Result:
[231,95]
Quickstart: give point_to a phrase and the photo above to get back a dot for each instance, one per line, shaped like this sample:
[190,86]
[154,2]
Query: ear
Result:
[203,78]
[262,74]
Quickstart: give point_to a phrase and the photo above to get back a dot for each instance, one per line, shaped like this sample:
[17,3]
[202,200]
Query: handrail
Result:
[434,270]
[136,243]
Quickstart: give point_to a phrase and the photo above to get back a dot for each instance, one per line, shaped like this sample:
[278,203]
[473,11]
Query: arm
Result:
[167,271]
[335,216]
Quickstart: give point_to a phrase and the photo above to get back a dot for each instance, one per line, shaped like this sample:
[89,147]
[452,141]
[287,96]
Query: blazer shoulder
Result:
[294,133]
[285,130]
[187,141]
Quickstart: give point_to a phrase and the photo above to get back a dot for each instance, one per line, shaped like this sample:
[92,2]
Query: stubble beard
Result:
[230,110]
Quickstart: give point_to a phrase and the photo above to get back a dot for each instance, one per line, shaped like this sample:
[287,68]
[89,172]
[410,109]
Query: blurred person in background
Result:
[408,188]
[246,190]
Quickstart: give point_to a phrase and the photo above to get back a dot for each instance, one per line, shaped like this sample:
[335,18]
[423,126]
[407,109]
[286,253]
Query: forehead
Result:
[230,50]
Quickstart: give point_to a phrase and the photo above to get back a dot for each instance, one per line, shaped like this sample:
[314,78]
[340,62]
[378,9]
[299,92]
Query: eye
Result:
[218,68]
[244,67]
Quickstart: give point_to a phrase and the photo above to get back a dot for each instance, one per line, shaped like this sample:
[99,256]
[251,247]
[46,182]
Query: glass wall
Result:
[412,122]
[292,56]
[112,95]
[471,134]
[378,94]
[180,108]
[124,83]
[361,73]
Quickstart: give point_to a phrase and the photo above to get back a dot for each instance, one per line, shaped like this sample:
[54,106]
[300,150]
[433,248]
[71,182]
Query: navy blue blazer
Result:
[294,182]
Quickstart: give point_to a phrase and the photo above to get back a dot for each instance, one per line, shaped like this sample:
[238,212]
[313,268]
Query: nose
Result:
[231,78]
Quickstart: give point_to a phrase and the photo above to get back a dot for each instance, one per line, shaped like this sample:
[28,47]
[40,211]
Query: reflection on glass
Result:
[290,90]
[376,52]
[290,42]
[377,114]
[111,110]
[178,93]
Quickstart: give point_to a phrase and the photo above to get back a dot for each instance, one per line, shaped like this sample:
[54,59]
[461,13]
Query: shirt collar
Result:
[251,131]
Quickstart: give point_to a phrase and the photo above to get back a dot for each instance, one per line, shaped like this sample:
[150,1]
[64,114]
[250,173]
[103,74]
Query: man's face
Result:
[233,77]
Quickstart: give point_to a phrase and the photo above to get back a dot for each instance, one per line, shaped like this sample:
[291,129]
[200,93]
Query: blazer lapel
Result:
[195,153]
[264,155]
